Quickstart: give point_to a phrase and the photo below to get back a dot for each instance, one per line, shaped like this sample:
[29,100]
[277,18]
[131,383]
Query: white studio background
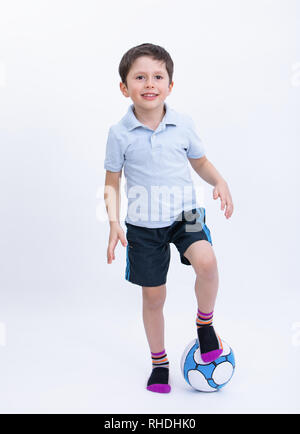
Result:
[71,332]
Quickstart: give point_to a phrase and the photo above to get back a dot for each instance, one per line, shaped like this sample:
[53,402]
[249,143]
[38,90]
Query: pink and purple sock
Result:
[210,344]
[159,378]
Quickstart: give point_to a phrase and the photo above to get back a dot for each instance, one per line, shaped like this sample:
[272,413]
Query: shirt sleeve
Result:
[196,148]
[114,157]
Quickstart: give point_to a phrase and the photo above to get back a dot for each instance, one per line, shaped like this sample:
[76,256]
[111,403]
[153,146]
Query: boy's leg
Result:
[202,258]
[153,303]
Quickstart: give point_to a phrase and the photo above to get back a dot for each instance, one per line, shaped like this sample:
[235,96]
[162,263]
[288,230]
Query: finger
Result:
[225,204]
[229,210]
[111,251]
[123,240]
[109,257]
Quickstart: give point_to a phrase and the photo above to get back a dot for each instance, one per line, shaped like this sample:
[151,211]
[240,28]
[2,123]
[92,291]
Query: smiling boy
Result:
[154,144]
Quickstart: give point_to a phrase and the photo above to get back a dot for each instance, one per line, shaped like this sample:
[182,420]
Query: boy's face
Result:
[147,75]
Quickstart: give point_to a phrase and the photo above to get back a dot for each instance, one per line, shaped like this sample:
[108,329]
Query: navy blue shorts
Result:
[148,249]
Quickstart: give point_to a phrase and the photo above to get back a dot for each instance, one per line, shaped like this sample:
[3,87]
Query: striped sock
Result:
[204,319]
[210,344]
[160,359]
[159,378]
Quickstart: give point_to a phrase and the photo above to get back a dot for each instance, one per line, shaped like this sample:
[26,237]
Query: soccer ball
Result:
[207,377]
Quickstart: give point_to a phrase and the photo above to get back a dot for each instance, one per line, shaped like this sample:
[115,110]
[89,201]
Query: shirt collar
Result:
[131,122]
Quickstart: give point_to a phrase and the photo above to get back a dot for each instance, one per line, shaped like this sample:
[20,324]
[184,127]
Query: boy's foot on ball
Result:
[159,380]
[210,344]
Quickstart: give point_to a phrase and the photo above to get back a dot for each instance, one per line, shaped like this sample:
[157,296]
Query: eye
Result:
[141,76]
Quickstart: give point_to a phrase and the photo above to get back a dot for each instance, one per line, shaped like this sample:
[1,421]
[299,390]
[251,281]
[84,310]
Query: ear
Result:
[171,87]
[123,89]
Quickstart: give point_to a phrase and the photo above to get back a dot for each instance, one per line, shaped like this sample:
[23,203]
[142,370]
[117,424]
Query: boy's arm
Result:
[112,203]
[205,169]
[112,196]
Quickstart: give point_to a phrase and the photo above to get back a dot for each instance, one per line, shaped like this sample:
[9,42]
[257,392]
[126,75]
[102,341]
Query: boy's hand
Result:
[221,190]
[116,234]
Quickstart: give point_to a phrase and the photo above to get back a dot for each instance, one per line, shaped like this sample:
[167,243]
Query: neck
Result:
[151,118]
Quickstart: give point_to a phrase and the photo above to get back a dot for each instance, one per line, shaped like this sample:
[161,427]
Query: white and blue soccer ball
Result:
[207,377]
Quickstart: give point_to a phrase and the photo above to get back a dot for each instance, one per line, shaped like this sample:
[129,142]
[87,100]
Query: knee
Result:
[206,267]
[154,297]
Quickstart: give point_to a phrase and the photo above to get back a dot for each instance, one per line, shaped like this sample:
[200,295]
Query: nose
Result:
[149,83]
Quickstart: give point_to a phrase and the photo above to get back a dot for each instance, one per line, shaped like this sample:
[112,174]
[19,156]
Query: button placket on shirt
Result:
[156,155]
[154,143]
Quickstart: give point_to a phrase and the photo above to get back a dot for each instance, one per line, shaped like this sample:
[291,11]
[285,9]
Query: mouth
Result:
[149,96]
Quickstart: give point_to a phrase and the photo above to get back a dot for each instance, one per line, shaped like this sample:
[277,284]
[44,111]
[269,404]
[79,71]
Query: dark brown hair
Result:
[151,50]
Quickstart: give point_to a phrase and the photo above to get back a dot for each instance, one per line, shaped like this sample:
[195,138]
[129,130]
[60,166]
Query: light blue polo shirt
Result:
[156,166]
